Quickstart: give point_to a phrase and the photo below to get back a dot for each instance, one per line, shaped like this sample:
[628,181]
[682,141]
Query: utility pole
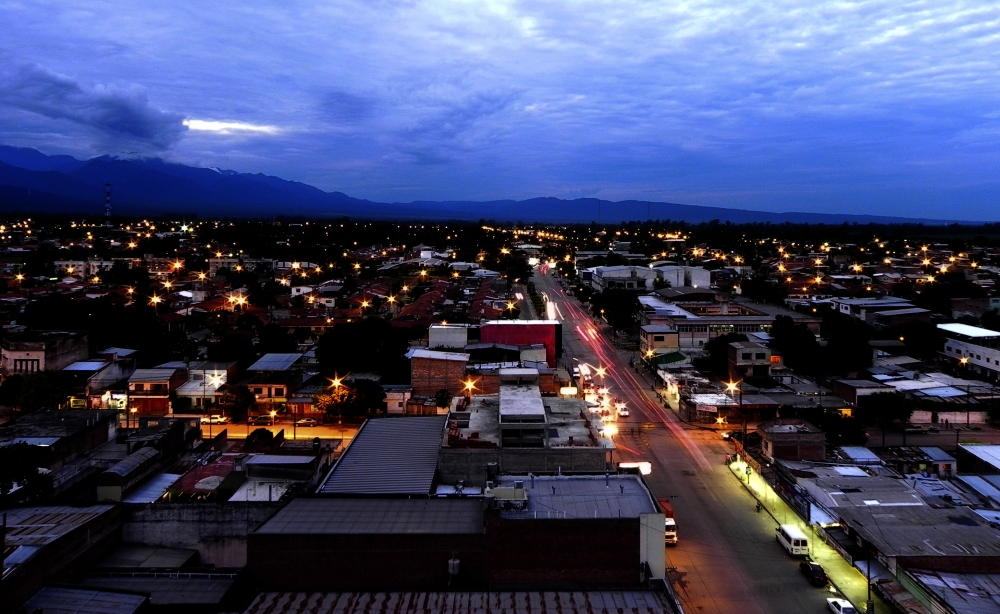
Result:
[107,205]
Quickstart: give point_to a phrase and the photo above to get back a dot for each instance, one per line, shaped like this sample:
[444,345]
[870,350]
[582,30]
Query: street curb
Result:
[769,513]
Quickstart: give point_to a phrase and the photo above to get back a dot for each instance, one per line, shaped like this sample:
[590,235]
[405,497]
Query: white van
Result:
[792,539]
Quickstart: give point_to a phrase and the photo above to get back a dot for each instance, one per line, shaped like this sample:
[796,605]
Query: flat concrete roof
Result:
[561,496]
[521,401]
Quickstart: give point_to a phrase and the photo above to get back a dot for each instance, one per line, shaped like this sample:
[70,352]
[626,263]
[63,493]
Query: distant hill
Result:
[32,182]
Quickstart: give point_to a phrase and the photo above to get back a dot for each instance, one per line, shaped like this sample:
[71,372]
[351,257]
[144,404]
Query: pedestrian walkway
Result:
[846,581]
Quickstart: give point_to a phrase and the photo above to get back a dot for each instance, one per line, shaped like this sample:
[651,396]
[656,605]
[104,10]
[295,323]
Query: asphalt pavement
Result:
[726,560]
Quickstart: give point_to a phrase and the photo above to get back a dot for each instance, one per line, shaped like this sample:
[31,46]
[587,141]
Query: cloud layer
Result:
[858,107]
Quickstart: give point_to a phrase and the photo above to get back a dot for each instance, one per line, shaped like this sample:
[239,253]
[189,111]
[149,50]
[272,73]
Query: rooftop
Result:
[436,355]
[152,375]
[560,496]
[521,402]
[570,602]
[65,600]
[323,516]
[52,424]
[275,362]
[923,531]
[987,453]
[389,456]
[968,331]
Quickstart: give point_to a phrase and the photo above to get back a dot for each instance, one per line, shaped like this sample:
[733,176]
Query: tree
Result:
[371,345]
[19,468]
[796,344]
[717,359]
[233,346]
[619,308]
[442,398]
[885,409]
[43,390]
[237,400]
[356,399]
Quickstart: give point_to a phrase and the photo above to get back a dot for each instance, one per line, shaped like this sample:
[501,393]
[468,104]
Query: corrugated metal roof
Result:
[377,516]
[275,362]
[152,375]
[389,456]
[52,600]
[153,489]
[576,602]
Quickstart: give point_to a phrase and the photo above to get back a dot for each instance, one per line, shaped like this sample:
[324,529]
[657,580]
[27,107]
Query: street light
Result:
[732,387]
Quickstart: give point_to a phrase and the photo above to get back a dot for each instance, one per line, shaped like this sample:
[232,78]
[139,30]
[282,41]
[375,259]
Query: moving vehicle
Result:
[813,572]
[840,606]
[669,524]
[726,435]
[792,539]
[915,428]
[622,410]
[263,421]
[214,419]
[306,422]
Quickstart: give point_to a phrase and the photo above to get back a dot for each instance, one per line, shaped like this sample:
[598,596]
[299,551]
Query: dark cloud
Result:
[115,115]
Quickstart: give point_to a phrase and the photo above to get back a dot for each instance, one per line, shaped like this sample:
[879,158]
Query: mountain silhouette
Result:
[34,183]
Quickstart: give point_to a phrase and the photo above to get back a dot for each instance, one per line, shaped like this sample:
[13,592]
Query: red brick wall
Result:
[428,375]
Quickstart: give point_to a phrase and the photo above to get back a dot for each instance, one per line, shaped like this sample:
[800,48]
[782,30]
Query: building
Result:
[274,378]
[852,390]
[447,336]
[684,276]
[749,360]
[431,371]
[658,338]
[792,439]
[527,529]
[701,316]
[149,390]
[46,544]
[205,381]
[623,278]
[973,347]
[899,317]
[522,333]
[60,435]
[866,308]
[520,431]
[43,351]
[69,600]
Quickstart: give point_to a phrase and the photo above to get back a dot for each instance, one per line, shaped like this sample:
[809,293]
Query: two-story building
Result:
[149,389]
[43,351]
[658,338]
[972,347]
[749,360]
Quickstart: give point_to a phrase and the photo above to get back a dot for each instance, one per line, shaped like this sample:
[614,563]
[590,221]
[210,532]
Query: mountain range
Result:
[34,183]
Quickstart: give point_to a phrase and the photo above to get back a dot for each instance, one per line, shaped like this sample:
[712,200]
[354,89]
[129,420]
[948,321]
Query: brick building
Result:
[431,371]
[792,439]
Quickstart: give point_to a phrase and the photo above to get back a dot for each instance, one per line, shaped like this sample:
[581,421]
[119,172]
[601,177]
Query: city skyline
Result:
[847,108]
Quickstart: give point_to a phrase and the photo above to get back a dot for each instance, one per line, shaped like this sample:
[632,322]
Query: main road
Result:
[726,560]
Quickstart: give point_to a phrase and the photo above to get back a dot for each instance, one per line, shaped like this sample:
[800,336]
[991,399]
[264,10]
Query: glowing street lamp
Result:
[178,265]
[732,387]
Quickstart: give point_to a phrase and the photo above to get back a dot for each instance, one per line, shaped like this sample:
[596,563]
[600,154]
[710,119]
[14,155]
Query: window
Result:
[279,392]
[139,387]
[657,337]
[747,355]
[258,390]
[399,404]
[760,356]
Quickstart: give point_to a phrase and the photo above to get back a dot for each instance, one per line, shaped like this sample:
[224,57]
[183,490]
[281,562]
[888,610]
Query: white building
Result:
[680,276]
[976,348]
[622,278]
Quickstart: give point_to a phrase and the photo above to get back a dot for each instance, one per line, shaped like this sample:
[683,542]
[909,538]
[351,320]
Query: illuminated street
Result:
[726,559]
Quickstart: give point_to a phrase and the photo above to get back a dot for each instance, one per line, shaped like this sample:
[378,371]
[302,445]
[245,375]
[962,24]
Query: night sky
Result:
[856,107]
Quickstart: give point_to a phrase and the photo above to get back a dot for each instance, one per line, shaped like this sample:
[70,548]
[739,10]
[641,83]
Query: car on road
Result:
[840,606]
[933,429]
[214,419]
[622,411]
[915,428]
[726,435]
[813,572]
[306,422]
[263,421]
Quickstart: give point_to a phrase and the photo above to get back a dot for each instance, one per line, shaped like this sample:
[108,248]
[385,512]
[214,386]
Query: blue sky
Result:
[856,107]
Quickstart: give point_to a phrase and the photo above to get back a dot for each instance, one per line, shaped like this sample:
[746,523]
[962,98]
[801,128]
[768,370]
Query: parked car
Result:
[813,572]
[726,435]
[933,429]
[214,419]
[263,421]
[915,428]
[306,422]
[840,606]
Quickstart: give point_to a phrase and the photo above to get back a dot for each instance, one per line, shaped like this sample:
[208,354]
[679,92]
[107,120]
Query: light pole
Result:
[732,387]
[135,419]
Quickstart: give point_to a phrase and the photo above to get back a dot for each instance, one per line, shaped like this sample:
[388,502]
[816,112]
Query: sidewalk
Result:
[846,581]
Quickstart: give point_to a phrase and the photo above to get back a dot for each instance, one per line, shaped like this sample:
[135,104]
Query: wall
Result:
[428,375]
[469,464]
[217,531]
[448,337]
[525,334]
